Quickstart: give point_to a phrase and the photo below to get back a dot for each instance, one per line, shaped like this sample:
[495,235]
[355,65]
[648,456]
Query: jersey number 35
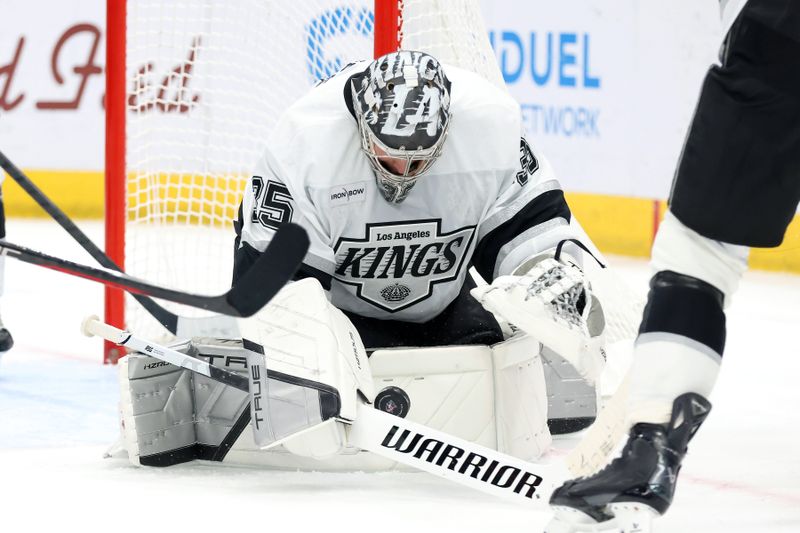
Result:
[273,203]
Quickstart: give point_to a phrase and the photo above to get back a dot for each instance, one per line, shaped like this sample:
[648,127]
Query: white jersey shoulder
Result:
[402,261]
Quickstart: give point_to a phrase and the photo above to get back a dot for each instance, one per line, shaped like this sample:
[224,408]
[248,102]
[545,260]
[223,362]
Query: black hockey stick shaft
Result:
[273,269]
[166,318]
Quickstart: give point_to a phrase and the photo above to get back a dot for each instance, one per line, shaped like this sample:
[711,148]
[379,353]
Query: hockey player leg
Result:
[682,336]
[676,362]
[6,340]
[291,409]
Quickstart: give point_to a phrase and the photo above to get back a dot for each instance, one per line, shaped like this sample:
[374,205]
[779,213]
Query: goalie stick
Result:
[394,438]
[177,325]
[601,439]
[261,283]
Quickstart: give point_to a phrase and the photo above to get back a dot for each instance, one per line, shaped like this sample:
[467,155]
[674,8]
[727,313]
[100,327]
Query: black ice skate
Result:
[636,486]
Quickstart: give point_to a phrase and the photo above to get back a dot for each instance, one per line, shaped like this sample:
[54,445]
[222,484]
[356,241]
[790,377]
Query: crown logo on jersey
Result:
[395,293]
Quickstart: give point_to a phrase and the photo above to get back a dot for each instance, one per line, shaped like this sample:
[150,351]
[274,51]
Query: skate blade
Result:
[626,518]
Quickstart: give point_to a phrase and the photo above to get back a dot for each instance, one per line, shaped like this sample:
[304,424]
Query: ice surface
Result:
[58,414]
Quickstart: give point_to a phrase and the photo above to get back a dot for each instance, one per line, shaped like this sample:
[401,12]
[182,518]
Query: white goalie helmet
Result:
[402,107]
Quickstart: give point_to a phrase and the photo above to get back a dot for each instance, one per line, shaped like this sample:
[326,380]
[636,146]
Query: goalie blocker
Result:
[318,374]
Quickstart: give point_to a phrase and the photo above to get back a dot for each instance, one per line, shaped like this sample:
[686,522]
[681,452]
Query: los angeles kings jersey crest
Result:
[396,265]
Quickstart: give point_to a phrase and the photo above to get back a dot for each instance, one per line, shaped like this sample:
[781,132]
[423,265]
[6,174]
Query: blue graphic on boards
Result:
[560,60]
[546,58]
[555,60]
[331,24]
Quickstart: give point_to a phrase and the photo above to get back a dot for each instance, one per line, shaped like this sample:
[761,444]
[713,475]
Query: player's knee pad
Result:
[695,278]
[687,307]
[680,249]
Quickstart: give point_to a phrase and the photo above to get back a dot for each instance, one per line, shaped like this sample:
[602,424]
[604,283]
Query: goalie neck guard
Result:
[401,104]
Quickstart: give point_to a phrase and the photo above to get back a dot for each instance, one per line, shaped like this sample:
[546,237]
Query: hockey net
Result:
[204,83]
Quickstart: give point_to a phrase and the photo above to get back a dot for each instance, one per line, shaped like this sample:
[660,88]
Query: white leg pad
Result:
[495,397]
[521,398]
[450,388]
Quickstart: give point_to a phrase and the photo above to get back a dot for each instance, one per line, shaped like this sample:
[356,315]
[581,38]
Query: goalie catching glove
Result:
[550,299]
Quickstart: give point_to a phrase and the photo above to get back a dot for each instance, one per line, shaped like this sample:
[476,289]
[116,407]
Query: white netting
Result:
[207,80]
[453,32]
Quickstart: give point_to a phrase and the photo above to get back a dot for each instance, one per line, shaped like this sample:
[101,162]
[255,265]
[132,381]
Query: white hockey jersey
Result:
[489,200]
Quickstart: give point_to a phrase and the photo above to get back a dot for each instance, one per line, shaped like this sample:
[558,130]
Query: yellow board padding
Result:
[78,193]
[625,226]
[785,257]
[617,224]
[178,197]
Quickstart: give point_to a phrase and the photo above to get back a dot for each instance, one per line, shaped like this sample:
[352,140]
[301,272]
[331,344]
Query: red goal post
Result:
[192,89]
[115,201]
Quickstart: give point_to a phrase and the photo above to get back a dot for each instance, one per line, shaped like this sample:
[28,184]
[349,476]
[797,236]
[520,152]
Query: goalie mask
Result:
[401,104]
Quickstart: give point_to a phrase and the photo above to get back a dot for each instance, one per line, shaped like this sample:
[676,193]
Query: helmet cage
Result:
[401,106]
[416,162]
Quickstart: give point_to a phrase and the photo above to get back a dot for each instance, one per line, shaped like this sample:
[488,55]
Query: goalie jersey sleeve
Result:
[267,203]
[530,216]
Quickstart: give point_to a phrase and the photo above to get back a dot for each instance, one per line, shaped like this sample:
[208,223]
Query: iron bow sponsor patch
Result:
[348,194]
